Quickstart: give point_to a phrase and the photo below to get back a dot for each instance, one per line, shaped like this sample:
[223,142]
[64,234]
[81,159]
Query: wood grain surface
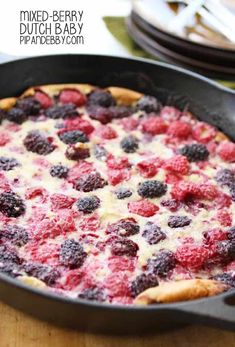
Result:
[19,330]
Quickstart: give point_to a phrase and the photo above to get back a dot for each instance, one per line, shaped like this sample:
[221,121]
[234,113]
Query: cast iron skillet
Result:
[208,101]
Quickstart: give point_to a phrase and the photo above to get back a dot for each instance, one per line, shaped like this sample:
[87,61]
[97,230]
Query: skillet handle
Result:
[217,311]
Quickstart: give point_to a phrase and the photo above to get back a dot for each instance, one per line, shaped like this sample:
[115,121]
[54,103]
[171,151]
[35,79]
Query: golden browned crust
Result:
[180,291]
[7,103]
[33,282]
[52,89]
[221,137]
[124,96]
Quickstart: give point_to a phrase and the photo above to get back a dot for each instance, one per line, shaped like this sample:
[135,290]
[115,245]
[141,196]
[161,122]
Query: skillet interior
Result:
[175,86]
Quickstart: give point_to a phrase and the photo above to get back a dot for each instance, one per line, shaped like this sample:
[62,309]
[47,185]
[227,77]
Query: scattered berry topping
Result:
[11,204]
[72,254]
[123,193]
[99,113]
[224,217]
[149,167]
[77,151]
[124,227]
[152,233]
[106,132]
[143,282]
[73,136]
[102,98]
[44,99]
[17,235]
[225,177]
[179,129]
[225,278]
[117,176]
[124,247]
[171,204]
[152,189]
[64,111]
[29,106]
[72,96]
[8,256]
[148,104]
[161,263]
[120,111]
[178,164]
[195,152]
[154,125]
[191,256]
[178,221]
[7,164]
[93,294]
[226,250]
[129,144]
[143,208]
[4,138]
[59,171]
[78,123]
[100,152]
[37,142]
[45,273]
[90,182]
[16,115]
[226,151]
[61,201]
[88,204]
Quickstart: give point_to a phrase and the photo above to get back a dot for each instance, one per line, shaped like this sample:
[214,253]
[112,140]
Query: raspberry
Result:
[60,201]
[29,106]
[73,136]
[149,167]
[123,193]
[72,279]
[161,263]
[117,285]
[43,98]
[90,182]
[118,163]
[78,170]
[120,111]
[16,115]
[64,111]
[72,96]
[119,264]
[129,144]
[195,152]
[59,171]
[117,176]
[191,256]
[106,132]
[93,294]
[91,223]
[222,200]
[124,247]
[78,124]
[178,221]
[129,123]
[37,142]
[203,132]
[226,250]
[226,151]
[17,235]
[171,204]
[11,205]
[45,273]
[99,113]
[143,208]
[225,278]
[154,125]
[178,164]
[101,98]
[100,152]
[124,227]
[143,282]
[179,129]
[8,256]
[88,204]
[77,151]
[153,234]
[152,189]
[7,164]
[224,217]
[72,254]
[148,104]
[4,139]
[32,193]
[185,190]
[214,235]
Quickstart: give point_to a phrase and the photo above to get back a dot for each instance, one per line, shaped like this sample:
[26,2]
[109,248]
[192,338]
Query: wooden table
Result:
[19,330]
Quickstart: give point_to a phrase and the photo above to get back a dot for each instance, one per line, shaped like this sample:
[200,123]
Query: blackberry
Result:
[123,193]
[88,204]
[7,164]
[61,111]
[153,234]
[171,204]
[129,144]
[73,136]
[124,227]
[3,115]
[232,191]
[77,152]
[37,142]
[101,98]
[90,182]
[92,294]
[225,278]
[225,177]
[119,112]
[16,115]
[59,171]
[72,254]
[178,221]
[124,247]
[11,204]
[100,152]
[226,250]
[195,152]
[8,256]
[29,105]
[231,233]
[43,272]
[10,269]
[17,235]
[148,104]
[99,113]
[152,189]
[161,263]
[143,282]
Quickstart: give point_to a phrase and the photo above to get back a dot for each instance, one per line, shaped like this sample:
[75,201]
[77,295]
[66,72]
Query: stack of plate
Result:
[147,26]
